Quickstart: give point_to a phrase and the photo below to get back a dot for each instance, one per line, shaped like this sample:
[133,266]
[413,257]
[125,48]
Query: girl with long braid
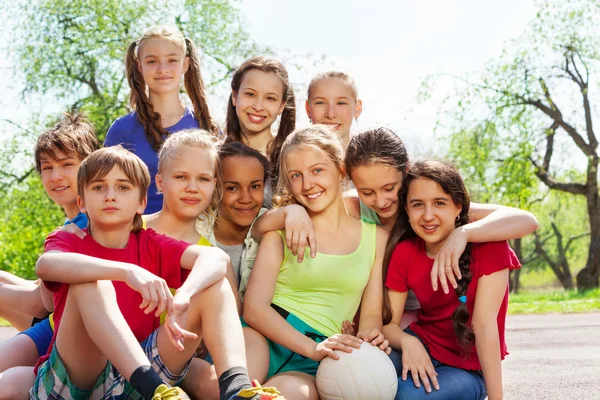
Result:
[454,349]
[154,65]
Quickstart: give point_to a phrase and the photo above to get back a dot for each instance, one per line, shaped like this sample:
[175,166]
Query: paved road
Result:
[552,357]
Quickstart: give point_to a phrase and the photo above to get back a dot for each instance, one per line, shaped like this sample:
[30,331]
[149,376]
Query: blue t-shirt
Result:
[81,220]
[129,132]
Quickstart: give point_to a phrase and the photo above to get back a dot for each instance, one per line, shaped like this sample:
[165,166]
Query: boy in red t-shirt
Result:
[458,340]
[99,324]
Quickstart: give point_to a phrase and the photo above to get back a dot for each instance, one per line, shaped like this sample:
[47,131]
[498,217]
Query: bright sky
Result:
[388,46]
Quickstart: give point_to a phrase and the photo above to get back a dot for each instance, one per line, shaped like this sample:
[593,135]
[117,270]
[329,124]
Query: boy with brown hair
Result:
[58,153]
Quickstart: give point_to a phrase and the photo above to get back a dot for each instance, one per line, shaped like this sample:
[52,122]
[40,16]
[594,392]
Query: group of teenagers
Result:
[206,261]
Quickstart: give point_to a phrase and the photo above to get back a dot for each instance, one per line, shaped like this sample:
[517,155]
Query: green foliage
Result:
[554,302]
[28,215]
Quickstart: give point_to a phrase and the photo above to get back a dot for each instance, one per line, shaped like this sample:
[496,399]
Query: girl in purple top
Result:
[154,65]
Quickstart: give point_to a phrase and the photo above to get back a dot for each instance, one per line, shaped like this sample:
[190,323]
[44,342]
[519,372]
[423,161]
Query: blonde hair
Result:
[318,137]
[194,84]
[99,163]
[334,74]
[194,139]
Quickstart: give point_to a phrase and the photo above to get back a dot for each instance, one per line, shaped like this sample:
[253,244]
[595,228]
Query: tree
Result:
[537,100]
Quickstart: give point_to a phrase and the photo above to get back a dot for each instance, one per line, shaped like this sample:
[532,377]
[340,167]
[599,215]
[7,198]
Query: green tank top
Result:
[368,215]
[326,290]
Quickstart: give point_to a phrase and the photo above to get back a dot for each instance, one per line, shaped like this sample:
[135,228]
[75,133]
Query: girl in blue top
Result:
[154,65]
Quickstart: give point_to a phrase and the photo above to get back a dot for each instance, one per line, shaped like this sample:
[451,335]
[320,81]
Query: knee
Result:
[91,288]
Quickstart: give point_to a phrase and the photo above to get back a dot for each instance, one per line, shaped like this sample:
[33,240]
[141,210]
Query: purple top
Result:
[129,132]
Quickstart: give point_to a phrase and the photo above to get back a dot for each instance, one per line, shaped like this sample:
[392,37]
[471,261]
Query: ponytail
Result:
[139,101]
[460,317]
[194,86]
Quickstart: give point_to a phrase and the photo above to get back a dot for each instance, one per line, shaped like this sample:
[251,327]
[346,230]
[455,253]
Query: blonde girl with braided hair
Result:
[454,349]
[154,66]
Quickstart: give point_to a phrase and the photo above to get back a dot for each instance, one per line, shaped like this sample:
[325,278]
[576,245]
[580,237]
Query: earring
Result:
[457,217]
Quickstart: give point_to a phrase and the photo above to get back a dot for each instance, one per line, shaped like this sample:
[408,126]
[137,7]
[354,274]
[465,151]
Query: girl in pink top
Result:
[454,349]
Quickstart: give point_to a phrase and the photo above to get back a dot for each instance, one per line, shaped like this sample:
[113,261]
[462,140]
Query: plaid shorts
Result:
[53,383]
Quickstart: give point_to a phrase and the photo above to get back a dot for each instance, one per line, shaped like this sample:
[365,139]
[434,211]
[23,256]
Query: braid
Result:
[464,333]
[286,126]
[194,86]
[139,101]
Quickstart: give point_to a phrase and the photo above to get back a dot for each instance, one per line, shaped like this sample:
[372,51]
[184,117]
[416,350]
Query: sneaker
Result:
[164,392]
[258,392]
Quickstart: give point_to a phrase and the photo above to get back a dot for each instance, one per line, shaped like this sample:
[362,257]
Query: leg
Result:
[295,385]
[7,277]
[455,384]
[212,315]
[93,330]
[201,381]
[19,303]
[18,351]
[257,353]
[16,382]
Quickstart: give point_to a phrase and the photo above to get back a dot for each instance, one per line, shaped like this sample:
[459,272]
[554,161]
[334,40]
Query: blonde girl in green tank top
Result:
[325,290]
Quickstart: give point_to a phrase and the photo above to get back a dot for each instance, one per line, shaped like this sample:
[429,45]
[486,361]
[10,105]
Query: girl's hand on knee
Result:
[445,265]
[375,337]
[299,232]
[342,342]
[416,360]
[348,328]
[73,229]
[177,321]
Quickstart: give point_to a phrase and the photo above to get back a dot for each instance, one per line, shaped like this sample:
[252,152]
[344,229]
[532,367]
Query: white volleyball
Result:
[365,374]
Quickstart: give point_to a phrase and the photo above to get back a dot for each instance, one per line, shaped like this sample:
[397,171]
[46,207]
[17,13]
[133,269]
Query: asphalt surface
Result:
[554,356]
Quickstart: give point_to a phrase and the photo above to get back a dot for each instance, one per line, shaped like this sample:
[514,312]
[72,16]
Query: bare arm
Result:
[490,293]
[414,356]
[73,268]
[208,265]
[371,325]
[491,223]
[299,228]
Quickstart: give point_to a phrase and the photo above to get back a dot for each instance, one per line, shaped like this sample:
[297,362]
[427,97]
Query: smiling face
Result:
[333,102]
[259,101]
[377,186]
[243,190]
[112,201]
[431,212]
[188,181]
[314,179]
[59,177]
[162,64]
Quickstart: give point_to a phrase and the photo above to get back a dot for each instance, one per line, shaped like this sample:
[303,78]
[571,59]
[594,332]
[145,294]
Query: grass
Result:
[554,302]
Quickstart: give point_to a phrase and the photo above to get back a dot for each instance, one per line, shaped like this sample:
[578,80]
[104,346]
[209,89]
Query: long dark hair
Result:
[287,123]
[194,85]
[449,179]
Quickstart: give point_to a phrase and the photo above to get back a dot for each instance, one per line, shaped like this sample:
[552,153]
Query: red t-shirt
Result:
[154,252]
[410,268]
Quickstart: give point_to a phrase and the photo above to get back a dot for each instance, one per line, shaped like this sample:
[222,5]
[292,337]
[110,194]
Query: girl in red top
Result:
[458,341]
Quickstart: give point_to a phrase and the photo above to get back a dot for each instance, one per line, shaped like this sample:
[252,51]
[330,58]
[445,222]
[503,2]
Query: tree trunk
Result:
[589,277]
